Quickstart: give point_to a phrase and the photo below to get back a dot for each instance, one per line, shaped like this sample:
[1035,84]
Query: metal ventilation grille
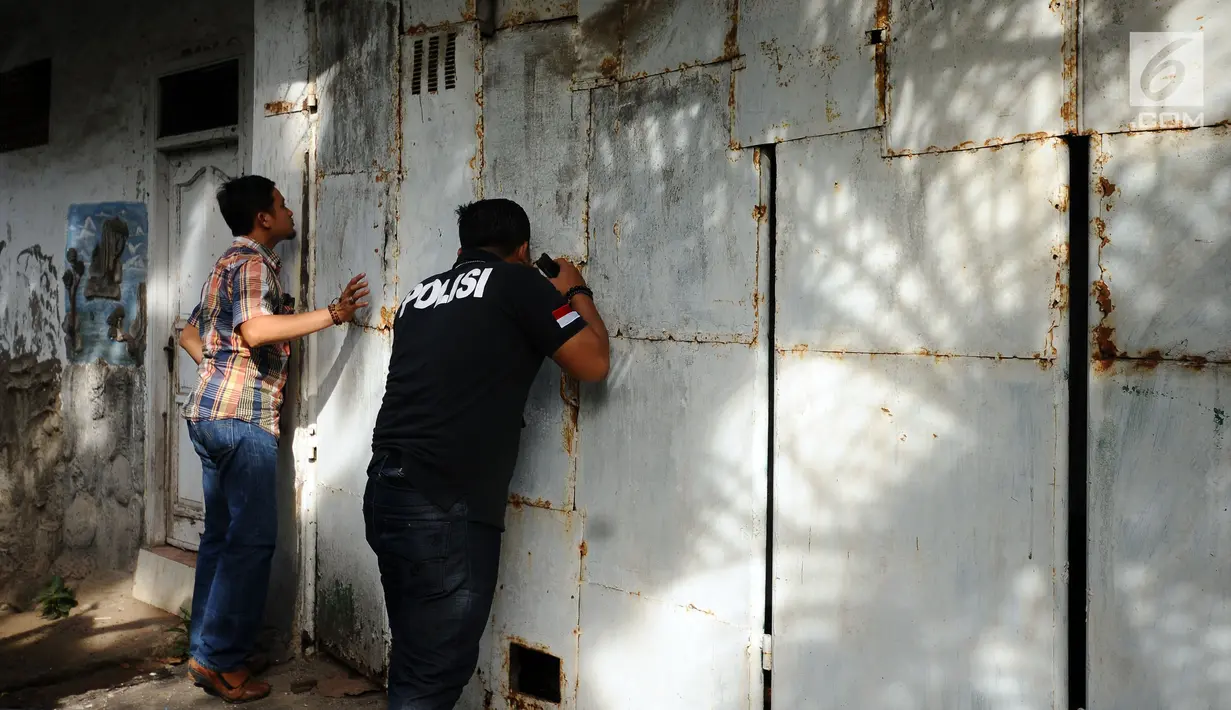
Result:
[451,62]
[416,71]
[430,65]
[433,62]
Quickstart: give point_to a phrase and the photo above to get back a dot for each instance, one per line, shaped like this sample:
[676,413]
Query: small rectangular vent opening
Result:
[433,62]
[451,62]
[534,673]
[416,71]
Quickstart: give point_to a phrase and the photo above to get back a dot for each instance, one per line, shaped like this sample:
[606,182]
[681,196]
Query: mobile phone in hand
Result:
[548,266]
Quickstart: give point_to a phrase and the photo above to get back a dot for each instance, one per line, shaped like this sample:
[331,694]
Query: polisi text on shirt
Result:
[430,294]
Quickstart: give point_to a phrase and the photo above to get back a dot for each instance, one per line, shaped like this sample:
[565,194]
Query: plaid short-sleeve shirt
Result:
[236,381]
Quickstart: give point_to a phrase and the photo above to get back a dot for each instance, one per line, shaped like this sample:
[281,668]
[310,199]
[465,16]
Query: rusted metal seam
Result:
[520,501]
[383,328]
[963,148]
[480,129]
[603,83]
[1192,361]
[335,489]
[946,356]
[685,607]
[532,23]
[383,174]
[1070,111]
[1164,129]
[469,18]
[881,60]
[778,141]
[585,215]
[397,90]
[716,340]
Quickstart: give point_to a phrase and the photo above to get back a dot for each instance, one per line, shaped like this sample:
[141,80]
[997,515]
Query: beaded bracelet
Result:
[568,295]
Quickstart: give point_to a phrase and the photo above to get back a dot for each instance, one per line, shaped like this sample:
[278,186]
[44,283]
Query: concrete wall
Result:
[72,442]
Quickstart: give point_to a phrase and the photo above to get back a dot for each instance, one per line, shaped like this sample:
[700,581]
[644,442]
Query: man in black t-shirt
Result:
[467,344]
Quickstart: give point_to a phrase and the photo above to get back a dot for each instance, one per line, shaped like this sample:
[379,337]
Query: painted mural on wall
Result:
[104,282]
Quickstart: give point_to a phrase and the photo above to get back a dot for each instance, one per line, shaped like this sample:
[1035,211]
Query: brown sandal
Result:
[241,691]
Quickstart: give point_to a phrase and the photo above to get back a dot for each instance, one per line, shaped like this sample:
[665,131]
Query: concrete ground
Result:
[116,652]
[315,680]
[108,638]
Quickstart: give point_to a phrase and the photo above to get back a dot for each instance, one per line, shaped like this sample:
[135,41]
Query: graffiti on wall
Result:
[104,282]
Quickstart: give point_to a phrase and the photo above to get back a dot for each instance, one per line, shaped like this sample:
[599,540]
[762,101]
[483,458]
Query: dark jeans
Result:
[239,461]
[438,571]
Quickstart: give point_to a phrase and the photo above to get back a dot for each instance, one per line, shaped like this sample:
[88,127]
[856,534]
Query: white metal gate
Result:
[846,226]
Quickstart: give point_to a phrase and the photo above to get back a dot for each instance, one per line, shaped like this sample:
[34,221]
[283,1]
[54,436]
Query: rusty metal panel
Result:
[599,31]
[536,603]
[351,620]
[349,366]
[546,470]
[671,478]
[356,65]
[280,62]
[640,652]
[916,550]
[963,78]
[418,15]
[1159,205]
[356,221]
[510,13]
[668,199]
[667,36]
[1160,469]
[1109,70]
[536,133]
[442,151]
[810,69]
[622,39]
[940,254]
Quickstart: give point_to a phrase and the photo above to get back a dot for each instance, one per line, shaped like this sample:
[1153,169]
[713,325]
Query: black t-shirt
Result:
[467,344]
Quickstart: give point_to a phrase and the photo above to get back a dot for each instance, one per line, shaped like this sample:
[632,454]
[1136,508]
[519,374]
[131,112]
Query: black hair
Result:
[498,225]
[242,198]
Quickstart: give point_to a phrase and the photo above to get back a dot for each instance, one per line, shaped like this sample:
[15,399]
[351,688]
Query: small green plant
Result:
[56,600]
[182,632]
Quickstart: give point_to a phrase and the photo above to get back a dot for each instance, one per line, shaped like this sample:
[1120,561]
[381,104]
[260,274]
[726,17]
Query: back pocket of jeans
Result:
[419,555]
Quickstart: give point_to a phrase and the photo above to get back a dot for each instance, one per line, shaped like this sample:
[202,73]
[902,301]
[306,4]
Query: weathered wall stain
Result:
[74,271]
[39,273]
[32,456]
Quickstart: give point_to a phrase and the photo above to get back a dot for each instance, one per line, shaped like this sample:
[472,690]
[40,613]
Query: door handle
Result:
[169,349]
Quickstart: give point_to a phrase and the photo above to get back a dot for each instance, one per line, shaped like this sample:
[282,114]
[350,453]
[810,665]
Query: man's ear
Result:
[523,252]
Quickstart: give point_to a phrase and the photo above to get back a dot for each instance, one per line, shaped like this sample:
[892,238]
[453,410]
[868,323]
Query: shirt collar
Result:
[261,249]
[483,255]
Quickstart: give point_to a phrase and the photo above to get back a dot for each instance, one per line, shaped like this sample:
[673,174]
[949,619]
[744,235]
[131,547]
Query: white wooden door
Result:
[198,237]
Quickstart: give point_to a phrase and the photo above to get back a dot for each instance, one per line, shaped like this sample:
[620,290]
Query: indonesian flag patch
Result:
[565,315]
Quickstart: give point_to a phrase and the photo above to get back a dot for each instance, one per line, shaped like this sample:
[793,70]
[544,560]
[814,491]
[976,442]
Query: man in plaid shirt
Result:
[239,335]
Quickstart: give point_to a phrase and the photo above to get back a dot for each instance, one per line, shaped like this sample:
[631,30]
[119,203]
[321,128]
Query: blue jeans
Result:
[438,571]
[239,462]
